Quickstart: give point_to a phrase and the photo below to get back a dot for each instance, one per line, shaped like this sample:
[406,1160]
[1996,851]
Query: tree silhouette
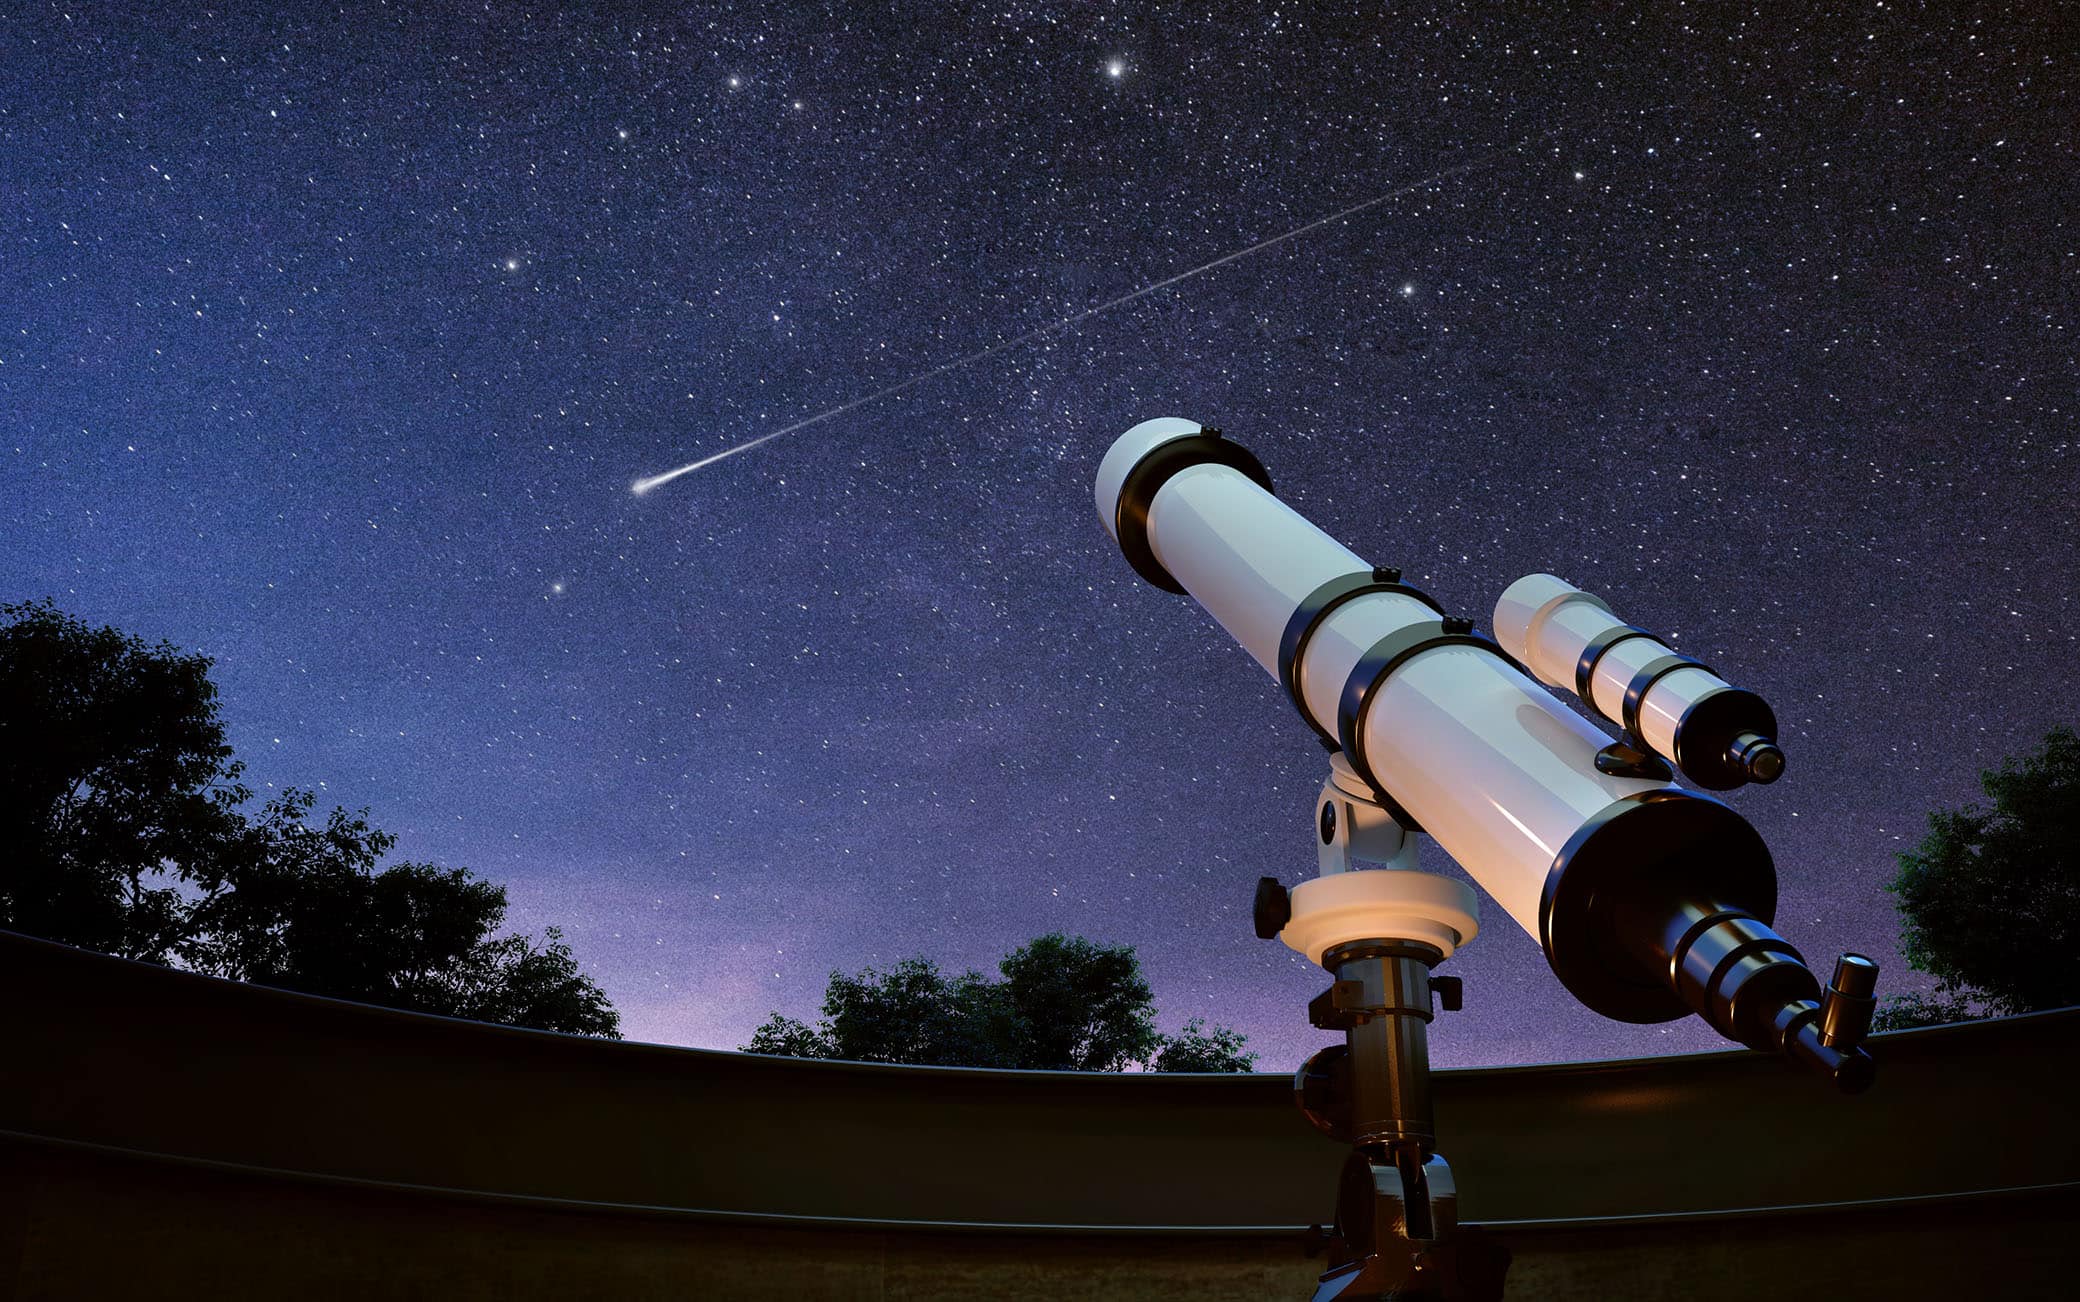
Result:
[1071,1005]
[121,814]
[910,1013]
[1063,1003]
[112,765]
[1198,1049]
[1990,900]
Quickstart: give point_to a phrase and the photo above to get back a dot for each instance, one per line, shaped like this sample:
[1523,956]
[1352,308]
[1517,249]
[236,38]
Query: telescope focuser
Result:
[1752,986]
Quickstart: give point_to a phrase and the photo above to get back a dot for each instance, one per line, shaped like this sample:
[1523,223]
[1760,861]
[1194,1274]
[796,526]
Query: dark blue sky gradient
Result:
[331,344]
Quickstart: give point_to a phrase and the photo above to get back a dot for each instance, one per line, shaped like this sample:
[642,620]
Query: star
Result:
[913,224]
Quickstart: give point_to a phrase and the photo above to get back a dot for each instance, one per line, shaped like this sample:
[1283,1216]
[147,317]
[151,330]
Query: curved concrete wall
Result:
[132,1095]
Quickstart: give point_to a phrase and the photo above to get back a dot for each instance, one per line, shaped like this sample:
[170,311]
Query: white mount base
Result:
[1381,904]
[1354,901]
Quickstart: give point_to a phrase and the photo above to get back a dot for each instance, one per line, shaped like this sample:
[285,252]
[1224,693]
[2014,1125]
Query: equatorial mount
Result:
[1379,931]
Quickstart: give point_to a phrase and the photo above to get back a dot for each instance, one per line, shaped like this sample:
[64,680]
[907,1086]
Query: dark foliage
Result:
[1062,1004]
[910,1013]
[1070,1005]
[1990,900]
[1906,1011]
[112,765]
[124,831]
[1198,1049]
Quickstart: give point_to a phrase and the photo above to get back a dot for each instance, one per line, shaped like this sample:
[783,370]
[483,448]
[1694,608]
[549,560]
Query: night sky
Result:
[331,344]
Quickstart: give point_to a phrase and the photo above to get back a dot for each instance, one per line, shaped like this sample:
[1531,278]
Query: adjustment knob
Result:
[1272,910]
[1450,992]
[1322,1088]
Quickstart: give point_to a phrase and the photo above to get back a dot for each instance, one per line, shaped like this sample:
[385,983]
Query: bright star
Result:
[512,264]
[1115,69]
[1408,291]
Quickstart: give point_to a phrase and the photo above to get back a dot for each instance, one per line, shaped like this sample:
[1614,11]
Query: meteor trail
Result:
[642,486]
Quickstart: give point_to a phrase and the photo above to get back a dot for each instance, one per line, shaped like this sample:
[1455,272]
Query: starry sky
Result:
[331,342]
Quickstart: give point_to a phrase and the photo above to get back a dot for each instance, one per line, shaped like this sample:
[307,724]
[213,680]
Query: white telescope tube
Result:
[1501,774]
[1719,735]
[1648,900]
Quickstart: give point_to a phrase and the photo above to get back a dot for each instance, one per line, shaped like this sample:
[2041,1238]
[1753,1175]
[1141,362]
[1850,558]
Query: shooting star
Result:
[642,486]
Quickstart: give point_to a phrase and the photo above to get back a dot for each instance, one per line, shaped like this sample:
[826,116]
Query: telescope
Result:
[1650,901]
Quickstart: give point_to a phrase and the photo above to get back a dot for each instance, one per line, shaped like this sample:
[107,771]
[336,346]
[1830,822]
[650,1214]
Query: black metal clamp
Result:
[1137,494]
[1309,615]
[1371,673]
[1630,756]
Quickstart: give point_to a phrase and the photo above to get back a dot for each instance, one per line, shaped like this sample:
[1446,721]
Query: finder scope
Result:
[1719,735]
[1649,901]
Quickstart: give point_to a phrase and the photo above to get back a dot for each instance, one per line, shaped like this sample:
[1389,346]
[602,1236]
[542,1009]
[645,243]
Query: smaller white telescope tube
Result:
[1719,735]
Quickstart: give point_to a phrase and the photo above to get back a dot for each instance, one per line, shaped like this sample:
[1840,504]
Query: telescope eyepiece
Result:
[1845,1011]
[1757,756]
